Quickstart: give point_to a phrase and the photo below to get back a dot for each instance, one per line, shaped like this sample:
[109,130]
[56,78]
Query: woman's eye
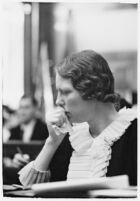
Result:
[65,92]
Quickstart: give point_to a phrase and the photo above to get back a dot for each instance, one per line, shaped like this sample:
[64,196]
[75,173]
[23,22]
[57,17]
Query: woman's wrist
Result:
[51,142]
[45,156]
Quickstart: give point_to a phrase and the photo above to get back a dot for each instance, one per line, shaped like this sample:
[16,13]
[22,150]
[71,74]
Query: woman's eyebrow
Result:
[63,89]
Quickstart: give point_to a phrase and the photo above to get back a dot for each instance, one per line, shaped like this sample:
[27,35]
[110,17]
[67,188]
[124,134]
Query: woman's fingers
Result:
[57,116]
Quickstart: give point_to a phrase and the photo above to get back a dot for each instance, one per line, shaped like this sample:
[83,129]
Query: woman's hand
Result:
[56,117]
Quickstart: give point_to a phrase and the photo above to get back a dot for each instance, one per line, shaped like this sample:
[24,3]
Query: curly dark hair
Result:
[90,74]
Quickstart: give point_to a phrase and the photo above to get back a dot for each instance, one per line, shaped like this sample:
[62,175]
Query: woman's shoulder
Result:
[132,129]
[134,123]
[128,120]
[129,137]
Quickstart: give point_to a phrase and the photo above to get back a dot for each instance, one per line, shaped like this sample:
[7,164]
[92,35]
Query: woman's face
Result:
[78,110]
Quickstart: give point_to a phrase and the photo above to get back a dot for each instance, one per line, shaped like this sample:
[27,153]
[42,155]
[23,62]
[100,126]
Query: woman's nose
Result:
[59,101]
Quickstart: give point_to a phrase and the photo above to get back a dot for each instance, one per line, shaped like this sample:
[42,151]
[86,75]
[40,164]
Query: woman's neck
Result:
[103,115]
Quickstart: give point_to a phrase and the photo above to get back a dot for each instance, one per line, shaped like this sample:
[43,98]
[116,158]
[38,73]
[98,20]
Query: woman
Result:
[88,137]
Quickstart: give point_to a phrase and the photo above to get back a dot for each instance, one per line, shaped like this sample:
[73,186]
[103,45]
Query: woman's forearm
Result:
[43,160]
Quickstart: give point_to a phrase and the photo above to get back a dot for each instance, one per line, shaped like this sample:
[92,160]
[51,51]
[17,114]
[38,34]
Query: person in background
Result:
[28,128]
[88,138]
[9,120]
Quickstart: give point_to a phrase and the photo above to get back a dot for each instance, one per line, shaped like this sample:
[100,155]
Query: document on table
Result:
[114,182]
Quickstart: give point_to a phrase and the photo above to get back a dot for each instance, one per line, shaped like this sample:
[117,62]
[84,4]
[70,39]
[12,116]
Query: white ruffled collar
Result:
[81,139]
[91,156]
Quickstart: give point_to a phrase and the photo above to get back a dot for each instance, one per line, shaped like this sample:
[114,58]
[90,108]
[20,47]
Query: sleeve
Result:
[29,175]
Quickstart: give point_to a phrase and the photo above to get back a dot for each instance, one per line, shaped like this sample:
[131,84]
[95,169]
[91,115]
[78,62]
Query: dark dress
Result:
[123,160]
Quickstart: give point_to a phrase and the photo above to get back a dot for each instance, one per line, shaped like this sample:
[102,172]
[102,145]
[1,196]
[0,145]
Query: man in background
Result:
[30,126]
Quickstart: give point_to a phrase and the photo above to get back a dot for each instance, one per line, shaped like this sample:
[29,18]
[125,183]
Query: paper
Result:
[118,193]
[116,182]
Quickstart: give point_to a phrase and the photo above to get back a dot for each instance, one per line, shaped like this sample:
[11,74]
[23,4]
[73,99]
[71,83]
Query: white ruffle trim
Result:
[91,156]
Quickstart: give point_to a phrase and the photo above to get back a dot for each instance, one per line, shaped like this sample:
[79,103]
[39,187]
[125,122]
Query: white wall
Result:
[103,29]
[12,54]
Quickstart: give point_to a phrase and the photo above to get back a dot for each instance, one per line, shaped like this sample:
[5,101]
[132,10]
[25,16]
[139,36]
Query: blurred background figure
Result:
[9,120]
[30,126]
[26,126]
